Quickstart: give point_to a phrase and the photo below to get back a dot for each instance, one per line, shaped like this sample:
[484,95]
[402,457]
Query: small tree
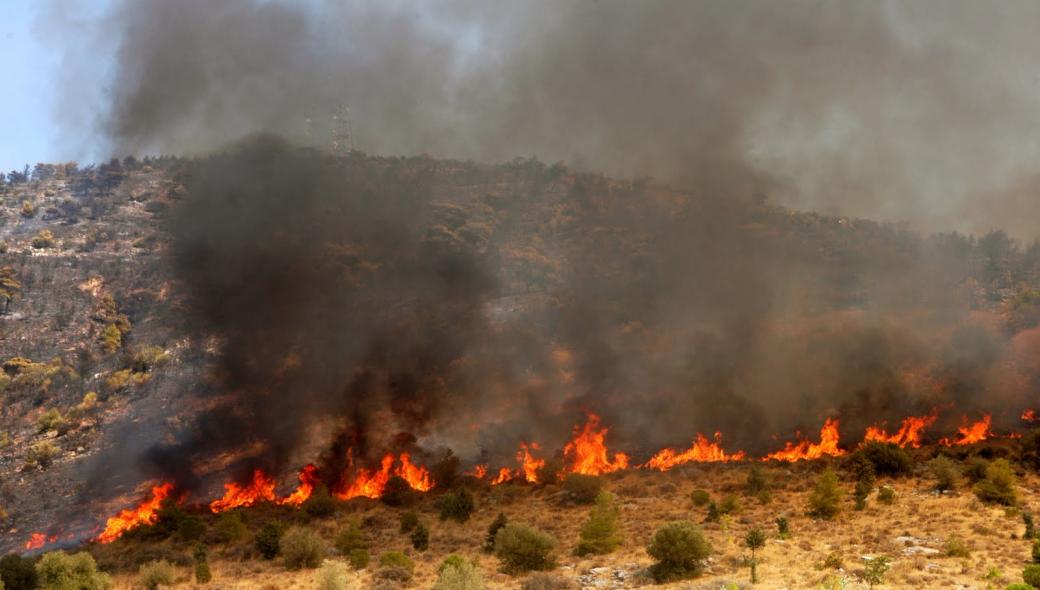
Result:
[783,528]
[679,549]
[202,572]
[601,533]
[944,472]
[420,537]
[302,548]
[754,539]
[350,538]
[456,573]
[824,502]
[1027,519]
[522,548]
[60,571]
[408,520]
[999,485]
[457,505]
[10,287]
[268,539]
[489,541]
[874,570]
[756,482]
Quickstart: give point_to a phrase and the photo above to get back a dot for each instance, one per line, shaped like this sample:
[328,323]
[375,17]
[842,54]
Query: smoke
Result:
[362,297]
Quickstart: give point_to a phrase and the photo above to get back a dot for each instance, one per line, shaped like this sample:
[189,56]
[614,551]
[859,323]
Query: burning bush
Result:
[601,533]
[457,573]
[582,489]
[302,548]
[523,548]
[398,492]
[825,499]
[154,574]
[999,485]
[60,571]
[679,549]
[457,505]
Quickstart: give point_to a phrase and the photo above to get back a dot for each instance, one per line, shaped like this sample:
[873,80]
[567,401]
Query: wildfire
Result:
[1029,415]
[805,449]
[259,489]
[479,471]
[369,483]
[971,433]
[36,541]
[701,451]
[503,476]
[144,513]
[528,469]
[909,434]
[308,481]
[587,452]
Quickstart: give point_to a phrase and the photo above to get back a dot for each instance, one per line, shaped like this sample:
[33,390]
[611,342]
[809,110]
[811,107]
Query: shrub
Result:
[601,533]
[53,420]
[397,492]
[44,239]
[954,547]
[543,581]
[320,504]
[522,548]
[302,548]
[445,470]
[457,505]
[1030,532]
[456,573]
[420,537]
[17,573]
[975,469]
[111,339]
[874,570]
[190,528]
[1036,551]
[61,571]
[492,532]
[549,473]
[155,574]
[999,485]
[756,482]
[783,528]
[700,497]
[408,521]
[679,549]
[944,472]
[349,539]
[1019,586]
[203,575]
[824,501]
[396,559]
[332,575]
[754,540]
[886,495]
[359,558]
[268,539]
[42,455]
[229,527]
[1031,575]
[887,458]
[582,489]
[730,504]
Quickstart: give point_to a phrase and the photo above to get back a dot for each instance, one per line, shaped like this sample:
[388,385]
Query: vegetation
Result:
[302,548]
[396,559]
[420,537]
[700,497]
[783,528]
[397,492]
[44,239]
[955,547]
[998,487]
[53,420]
[42,455]
[351,537]
[456,573]
[17,572]
[154,574]
[445,470]
[229,527]
[268,539]
[601,533]
[320,504]
[754,539]
[203,575]
[679,550]
[944,471]
[1031,575]
[522,548]
[332,575]
[61,571]
[457,505]
[825,499]
[408,520]
[874,570]
[358,558]
[544,581]
[492,532]
[886,495]
[582,489]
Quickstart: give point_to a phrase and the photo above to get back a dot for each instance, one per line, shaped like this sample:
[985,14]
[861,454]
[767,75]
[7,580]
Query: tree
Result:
[10,287]
[824,502]
[600,534]
[679,549]
[875,569]
[754,539]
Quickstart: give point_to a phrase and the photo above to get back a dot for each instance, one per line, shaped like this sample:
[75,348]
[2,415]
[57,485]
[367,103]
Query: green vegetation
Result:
[358,558]
[601,533]
[229,527]
[457,505]
[302,548]
[408,520]
[998,487]
[700,497]
[886,495]
[874,570]
[679,550]
[522,548]
[268,539]
[955,547]
[17,572]
[1031,575]
[42,455]
[154,574]
[203,575]
[582,489]
[396,559]
[61,571]
[783,528]
[420,537]
[351,537]
[944,471]
[825,499]
[456,573]
[754,539]
[53,420]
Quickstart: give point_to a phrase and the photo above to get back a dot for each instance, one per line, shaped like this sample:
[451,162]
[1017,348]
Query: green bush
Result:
[1019,586]
[679,550]
[268,539]
[1031,575]
[397,492]
[396,559]
[359,558]
[756,482]
[457,505]
[53,420]
[783,528]
[61,571]
[456,573]
[17,573]
[601,533]
[887,458]
[522,548]
[944,471]
[700,497]
[420,537]
[302,548]
[999,485]
[320,504]
[408,521]
[886,495]
[42,454]
[332,575]
[1036,551]
[582,489]
[825,499]
[349,539]
[729,504]
[203,575]
[975,469]
[154,574]
[954,547]
[874,570]
[229,527]
[492,532]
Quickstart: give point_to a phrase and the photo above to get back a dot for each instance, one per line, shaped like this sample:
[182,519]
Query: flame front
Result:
[804,449]
[587,451]
[144,514]
[36,541]
[1029,415]
[370,483]
[416,475]
[503,476]
[702,451]
[479,471]
[308,481]
[259,489]
[971,433]
[908,435]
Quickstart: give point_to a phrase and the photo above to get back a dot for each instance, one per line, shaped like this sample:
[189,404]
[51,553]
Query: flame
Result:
[479,472]
[36,541]
[909,434]
[369,483]
[260,489]
[144,513]
[503,476]
[701,451]
[529,465]
[805,449]
[971,433]
[1029,415]
[308,481]
[587,452]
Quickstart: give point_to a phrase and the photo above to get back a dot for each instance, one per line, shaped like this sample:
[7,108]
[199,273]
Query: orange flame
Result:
[308,481]
[1029,415]
[36,541]
[503,476]
[909,434]
[260,489]
[479,471]
[587,451]
[144,513]
[702,451]
[971,433]
[370,483]
[805,449]
[529,465]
